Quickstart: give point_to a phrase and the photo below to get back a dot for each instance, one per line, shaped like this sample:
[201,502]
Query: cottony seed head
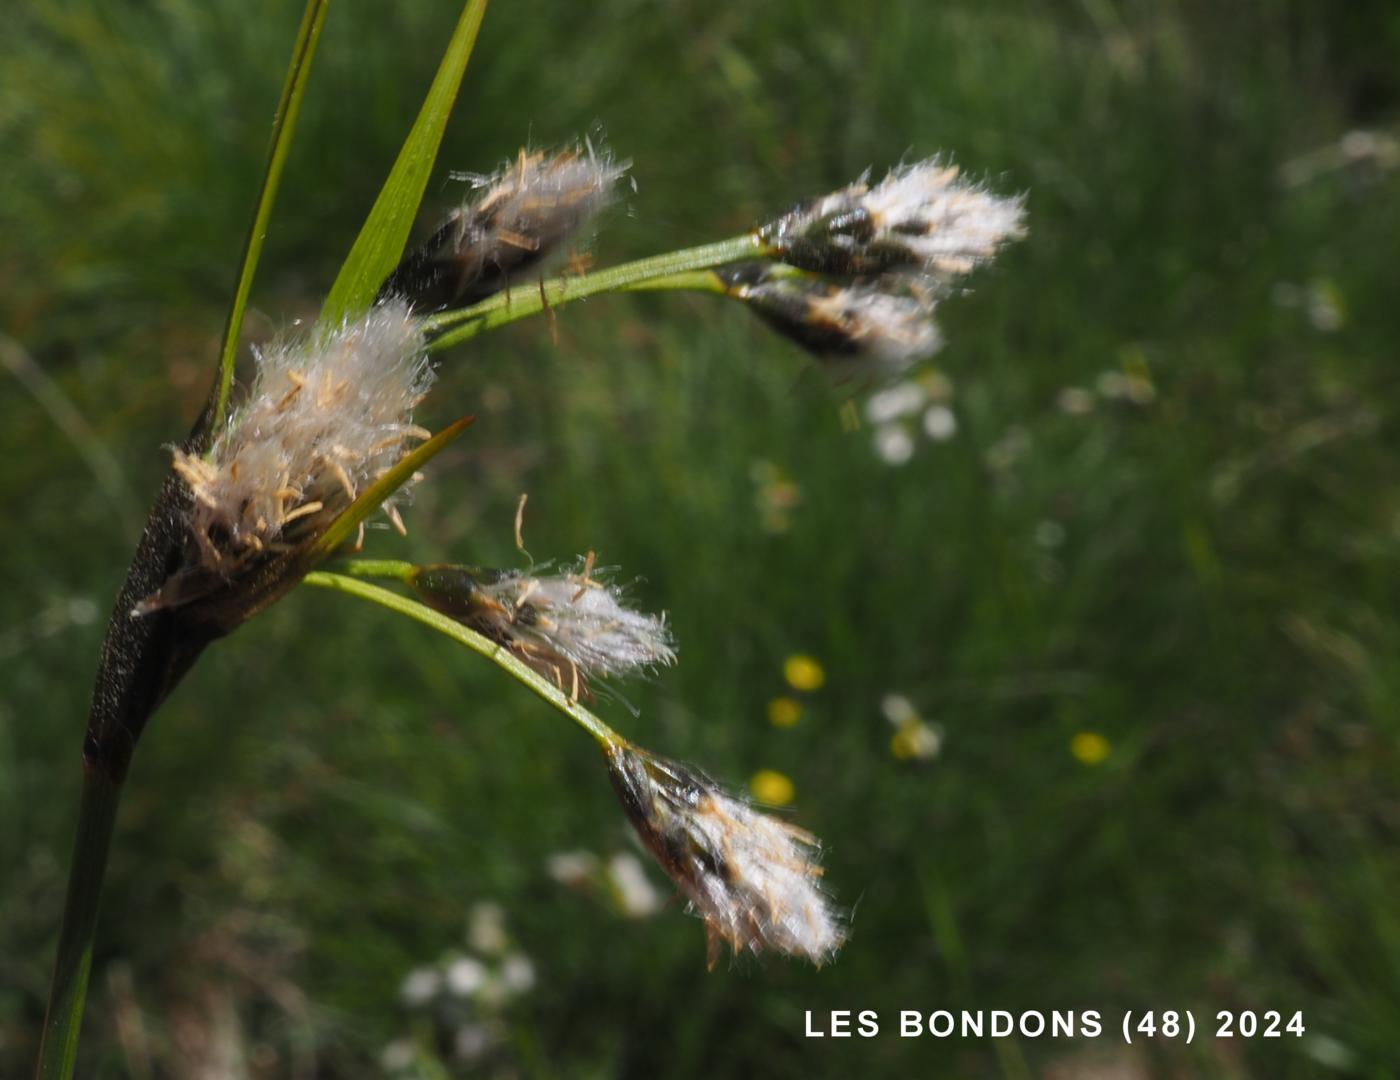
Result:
[920,218]
[752,877]
[520,215]
[326,416]
[879,326]
[570,626]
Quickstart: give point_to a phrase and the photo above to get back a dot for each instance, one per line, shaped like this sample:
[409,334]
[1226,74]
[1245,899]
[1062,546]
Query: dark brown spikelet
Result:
[570,627]
[752,877]
[521,215]
[922,219]
[883,323]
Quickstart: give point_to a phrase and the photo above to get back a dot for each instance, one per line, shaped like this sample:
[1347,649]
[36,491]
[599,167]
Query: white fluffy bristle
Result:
[325,417]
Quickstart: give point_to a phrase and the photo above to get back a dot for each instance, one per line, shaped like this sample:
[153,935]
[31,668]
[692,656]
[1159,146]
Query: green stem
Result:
[685,281]
[687,269]
[284,123]
[388,569]
[542,687]
[96,815]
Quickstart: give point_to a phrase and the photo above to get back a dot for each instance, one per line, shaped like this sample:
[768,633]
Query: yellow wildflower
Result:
[1089,747]
[771,787]
[784,711]
[916,740]
[803,672]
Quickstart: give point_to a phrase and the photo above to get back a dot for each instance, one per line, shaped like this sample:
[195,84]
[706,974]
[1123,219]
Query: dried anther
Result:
[521,215]
[752,877]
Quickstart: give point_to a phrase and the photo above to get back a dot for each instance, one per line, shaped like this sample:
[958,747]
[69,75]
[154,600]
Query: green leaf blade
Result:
[284,124]
[380,245]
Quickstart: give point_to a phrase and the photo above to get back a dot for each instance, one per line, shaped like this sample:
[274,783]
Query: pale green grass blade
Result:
[381,241]
[284,124]
[373,496]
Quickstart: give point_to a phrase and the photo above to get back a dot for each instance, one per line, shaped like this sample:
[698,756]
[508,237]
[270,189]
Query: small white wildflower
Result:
[1075,401]
[1359,144]
[465,976]
[1135,388]
[473,1041]
[893,444]
[1112,385]
[518,973]
[898,709]
[1331,1053]
[940,423]
[397,1056]
[326,416]
[1320,300]
[420,986]
[486,928]
[752,877]
[636,896]
[1369,154]
[572,868]
[1324,307]
[902,399]
[921,217]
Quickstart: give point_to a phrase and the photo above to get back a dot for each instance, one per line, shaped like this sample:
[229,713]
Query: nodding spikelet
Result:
[881,324]
[518,217]
[325,417]
[920,218]
[570,627]
[752,877]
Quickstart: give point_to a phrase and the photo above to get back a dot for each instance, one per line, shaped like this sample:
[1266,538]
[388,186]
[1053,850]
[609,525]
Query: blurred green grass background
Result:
[1191,554]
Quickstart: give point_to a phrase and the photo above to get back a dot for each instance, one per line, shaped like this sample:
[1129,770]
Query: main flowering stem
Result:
[96,817]
[142,661]
[144,658]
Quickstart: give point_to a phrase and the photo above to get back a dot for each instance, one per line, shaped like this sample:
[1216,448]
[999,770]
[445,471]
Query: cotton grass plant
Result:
[273,486]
